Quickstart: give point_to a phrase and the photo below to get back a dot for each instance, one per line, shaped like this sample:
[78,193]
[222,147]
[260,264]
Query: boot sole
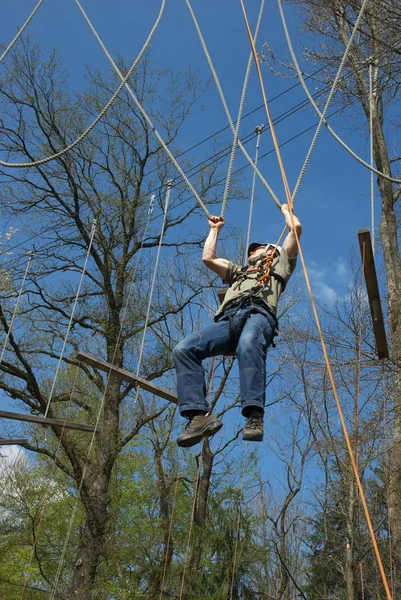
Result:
[249,437]
[191,440]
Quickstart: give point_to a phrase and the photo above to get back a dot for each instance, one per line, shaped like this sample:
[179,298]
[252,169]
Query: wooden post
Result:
[127,376]
[372,287]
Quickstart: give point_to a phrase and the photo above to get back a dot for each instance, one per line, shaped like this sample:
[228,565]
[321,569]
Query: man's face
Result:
[261,251]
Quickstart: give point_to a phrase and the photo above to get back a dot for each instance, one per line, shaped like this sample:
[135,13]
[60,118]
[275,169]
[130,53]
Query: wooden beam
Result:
[46,421]
[127,376]
[372,288]
[16,442]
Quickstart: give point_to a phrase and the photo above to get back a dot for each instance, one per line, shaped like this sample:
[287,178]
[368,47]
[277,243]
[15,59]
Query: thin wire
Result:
[144,113]
[223,100]
[44,499]
[21,30]
[372,180]
[83,272]
[169,185]
[329,98]
[182,587]
[102,401]
[325,353]
[317,109]
[28,266]
[236,544]
[102,112]
[170,532]
[258,132]
[239,117]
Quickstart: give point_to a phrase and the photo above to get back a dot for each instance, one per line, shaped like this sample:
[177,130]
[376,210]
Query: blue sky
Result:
[333,201]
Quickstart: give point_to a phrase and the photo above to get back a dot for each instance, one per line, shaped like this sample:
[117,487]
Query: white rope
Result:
[329,98]
[94,225]
[372,180]
[21,30]
[84,470]
[102,113]
[258,131]
[239,117]
[317,109]
[144,113]
[169,185]
[28,266]
[223,100]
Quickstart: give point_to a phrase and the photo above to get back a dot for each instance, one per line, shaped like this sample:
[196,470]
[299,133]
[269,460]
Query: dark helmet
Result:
[255,245]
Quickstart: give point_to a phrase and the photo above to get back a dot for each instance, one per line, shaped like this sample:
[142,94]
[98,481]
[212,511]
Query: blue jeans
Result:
[254,330]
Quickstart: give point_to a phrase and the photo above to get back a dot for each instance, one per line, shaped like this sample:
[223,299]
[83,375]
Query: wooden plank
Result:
[46,421]
[127,376]
[16,442]
[372,288]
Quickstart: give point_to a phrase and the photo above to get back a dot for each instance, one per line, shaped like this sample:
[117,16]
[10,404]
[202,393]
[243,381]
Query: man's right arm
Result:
[210,258]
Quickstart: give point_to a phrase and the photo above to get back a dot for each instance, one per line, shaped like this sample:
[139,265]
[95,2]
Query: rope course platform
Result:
[372,287]
[127,376]
[47,421]
[16,442]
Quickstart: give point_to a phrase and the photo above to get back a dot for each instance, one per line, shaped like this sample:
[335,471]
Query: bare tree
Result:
[108,177]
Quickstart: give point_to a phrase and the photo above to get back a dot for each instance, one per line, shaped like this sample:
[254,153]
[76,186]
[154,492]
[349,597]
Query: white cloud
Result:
[322,291]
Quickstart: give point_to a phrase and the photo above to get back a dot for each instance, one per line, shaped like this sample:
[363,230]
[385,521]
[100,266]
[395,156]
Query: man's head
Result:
[258,251]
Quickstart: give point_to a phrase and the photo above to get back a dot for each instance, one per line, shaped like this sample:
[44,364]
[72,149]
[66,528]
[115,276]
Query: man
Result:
[245,322]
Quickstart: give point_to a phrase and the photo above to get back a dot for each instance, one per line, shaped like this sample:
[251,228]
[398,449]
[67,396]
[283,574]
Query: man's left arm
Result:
[290,243]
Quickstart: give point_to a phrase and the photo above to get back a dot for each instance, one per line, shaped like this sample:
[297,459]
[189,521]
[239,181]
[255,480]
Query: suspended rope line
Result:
[372,175]
[223,100]
[124,80]
[238,525]
[170,533]
[46,496]
[92,235]
[184,572]
[329,98]
[322,341]
[10,327]
[144,113]
[258,131]
[75,507]
[21,30]
[317,109]
[239,117]
[257,64]
[169,185]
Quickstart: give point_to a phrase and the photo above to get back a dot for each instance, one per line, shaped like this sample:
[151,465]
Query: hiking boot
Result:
[253,430]
[197,428]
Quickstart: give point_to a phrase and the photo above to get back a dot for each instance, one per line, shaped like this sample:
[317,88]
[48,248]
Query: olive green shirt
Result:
[241,282]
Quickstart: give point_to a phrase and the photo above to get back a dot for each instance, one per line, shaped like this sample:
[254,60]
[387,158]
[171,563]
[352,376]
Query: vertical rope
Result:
[84,470]
[184,572]
[28,266]
[92,235]
[49,489]
[258,131]
[317,319]
[372,180]
[170,532]
[239,117]
[169,185]
[236,544]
